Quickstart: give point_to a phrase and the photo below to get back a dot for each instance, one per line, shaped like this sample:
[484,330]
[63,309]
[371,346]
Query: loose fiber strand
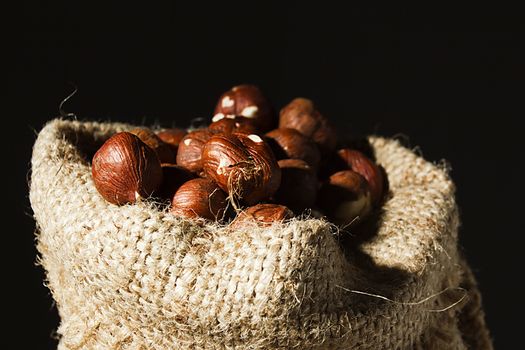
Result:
[61,110]
[414,303]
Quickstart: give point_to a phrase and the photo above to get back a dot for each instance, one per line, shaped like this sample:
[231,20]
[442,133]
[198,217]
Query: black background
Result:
[448,79]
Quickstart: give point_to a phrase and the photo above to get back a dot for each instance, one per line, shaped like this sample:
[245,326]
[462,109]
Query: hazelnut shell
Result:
[300,114]
[228,126]
[162,149]
[263,214]
[172,137]
[247,101]
[364,166]
[242,165]
[189,155]
[125,169]
[199,198]
[345,198]
[290,143]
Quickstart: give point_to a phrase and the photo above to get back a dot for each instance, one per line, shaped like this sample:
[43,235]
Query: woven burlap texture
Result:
[137,277]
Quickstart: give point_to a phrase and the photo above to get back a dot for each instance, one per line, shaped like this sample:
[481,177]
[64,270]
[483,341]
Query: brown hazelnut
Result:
[162,149]
[246,101]
[172,137]
[300,114]
[299,185]
[189,155]
[173,177]
[290,143]
[242,165]
[199,198]
[125,169]
[222,125]
[345,198]
[263,214]
[364,166]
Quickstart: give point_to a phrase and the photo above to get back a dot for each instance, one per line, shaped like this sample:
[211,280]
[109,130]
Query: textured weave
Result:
[137,277]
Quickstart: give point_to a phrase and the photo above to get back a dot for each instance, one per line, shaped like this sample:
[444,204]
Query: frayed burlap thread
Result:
[137,277]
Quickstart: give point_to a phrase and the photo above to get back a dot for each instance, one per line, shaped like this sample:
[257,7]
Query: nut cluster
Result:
[248,164]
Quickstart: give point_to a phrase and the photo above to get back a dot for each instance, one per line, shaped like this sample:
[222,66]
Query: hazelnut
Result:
[290,143]
[222,125]
[364,166]
[345,198]
[162,149]
[173,177]
[300,114]
[199,198]
[246,101]
[125,169]
[299,185]
[242,165]
[172,137]
[263,214]
[189,155]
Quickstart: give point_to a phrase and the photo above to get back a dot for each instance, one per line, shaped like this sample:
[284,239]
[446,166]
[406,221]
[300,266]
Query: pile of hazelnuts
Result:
[246,165]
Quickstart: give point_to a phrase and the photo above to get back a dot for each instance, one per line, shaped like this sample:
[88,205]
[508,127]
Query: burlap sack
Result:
[135,277]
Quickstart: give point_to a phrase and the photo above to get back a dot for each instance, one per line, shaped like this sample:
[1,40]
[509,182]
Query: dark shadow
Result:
[85,142]
[277,150]
[360,144]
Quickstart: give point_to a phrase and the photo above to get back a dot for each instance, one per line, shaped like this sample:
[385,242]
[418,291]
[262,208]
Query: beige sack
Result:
[135,277]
